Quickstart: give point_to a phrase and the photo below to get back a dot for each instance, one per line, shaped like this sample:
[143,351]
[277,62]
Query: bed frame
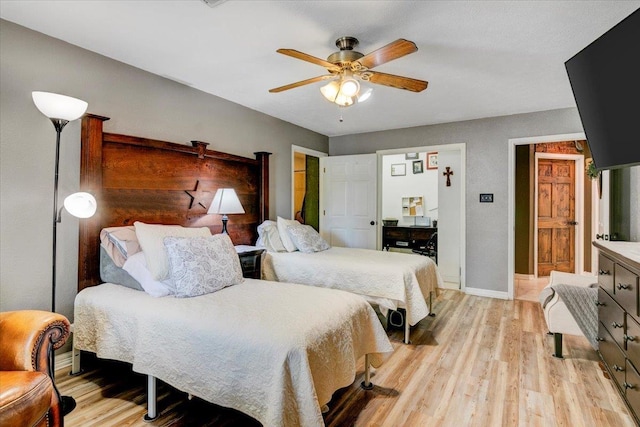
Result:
[142,179]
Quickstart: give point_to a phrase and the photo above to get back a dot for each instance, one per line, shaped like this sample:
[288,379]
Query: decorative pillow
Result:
[111,273]
[307,239]
[150,237]
[201,265]
[269,237]
[136,266]
[119,243]
[284,235]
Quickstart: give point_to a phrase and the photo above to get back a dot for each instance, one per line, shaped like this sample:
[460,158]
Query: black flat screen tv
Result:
[605,79]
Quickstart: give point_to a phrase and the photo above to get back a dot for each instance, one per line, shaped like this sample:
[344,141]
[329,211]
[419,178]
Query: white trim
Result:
[512,142]
[309,152]
[487,293]
[520,276]
[578,195]
[462,148]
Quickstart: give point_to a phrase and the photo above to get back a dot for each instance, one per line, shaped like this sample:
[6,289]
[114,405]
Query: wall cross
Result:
[448,174]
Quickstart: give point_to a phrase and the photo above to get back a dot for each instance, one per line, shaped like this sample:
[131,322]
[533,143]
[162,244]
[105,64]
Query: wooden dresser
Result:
[619,317]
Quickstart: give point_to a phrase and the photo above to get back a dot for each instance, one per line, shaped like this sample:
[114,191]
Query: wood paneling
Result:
[479,362]
[159,182]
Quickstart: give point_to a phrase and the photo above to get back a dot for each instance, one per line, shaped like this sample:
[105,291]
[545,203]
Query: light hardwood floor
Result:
[479,362]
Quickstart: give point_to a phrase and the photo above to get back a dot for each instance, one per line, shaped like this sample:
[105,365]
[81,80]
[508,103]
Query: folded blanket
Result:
[581,303]
[119,243]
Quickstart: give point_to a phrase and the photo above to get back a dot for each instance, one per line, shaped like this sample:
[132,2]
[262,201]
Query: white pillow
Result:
[136,266]
[269,237]
[284,235]
[150,237]
[202,265]
[307,239]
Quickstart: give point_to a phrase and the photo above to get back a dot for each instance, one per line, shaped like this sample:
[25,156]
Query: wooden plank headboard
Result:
[158,182]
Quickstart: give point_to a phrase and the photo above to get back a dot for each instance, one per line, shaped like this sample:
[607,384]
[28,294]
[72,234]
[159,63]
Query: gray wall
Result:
[139,103]
[487,172]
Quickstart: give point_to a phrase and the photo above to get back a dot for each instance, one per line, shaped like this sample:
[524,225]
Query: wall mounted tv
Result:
[605,79]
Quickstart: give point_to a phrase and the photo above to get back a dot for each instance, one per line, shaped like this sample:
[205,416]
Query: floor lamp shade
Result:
[56,106]
[81,205]
[225,202]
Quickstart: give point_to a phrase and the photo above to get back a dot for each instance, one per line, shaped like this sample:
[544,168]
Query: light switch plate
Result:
[486,197]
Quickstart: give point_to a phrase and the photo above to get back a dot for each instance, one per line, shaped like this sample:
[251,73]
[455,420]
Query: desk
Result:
[414,237]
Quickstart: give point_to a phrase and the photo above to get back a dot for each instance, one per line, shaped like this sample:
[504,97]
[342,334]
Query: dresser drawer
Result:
[612,355]
[605,273]
[611,316]
[633,341]
[632,388]
[626,289]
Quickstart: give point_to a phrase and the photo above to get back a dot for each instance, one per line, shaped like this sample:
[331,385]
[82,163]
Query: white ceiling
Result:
[481,58]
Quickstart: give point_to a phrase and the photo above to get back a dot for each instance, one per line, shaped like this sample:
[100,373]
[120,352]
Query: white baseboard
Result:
[519,276]
[63,360]
[486,293]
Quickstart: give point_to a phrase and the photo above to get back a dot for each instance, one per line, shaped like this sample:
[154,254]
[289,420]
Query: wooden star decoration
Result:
[198,197]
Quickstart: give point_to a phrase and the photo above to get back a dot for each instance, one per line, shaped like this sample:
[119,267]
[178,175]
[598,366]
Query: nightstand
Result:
[250,260]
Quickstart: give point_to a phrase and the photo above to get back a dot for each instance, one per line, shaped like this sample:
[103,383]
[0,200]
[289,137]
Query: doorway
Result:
[586,223]
[305,189]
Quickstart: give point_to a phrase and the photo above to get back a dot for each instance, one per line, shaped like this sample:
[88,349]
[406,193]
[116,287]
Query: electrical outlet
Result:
[486,197]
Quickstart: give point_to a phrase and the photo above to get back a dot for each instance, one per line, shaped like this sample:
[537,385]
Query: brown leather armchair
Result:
[28,395]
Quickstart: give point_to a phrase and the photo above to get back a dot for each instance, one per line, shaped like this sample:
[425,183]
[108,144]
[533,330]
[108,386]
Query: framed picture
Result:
[418,166]
[432,160]
[398,169]
[411,156]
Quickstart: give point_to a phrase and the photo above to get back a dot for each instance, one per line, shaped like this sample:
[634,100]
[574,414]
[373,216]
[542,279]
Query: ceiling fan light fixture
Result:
[349,87]
[330,91]
[344,101]
[365,95]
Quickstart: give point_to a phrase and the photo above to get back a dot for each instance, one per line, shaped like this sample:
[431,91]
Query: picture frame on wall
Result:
[418,166]
[398,169]
[410,156]
[432,160]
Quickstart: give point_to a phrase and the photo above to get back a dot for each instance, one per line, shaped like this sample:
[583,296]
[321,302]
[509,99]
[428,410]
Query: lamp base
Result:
[224,225]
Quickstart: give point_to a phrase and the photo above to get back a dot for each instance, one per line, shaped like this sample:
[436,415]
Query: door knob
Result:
[372,223]
[572,222]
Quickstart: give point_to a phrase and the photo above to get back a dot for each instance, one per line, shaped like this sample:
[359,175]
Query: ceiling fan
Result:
[347,66]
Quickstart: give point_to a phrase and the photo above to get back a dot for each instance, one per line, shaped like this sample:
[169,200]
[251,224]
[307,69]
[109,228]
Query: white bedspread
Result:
[275,351]
[391,279]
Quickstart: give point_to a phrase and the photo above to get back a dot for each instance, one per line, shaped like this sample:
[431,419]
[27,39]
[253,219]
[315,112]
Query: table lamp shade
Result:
[225,202]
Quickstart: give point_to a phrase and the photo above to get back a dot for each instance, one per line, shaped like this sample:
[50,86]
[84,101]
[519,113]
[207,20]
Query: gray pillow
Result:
[201,265]
[307,239]
[110,272]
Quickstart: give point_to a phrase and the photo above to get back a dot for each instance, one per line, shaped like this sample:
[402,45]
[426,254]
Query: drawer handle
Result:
[616,325]
[617,368]
[621,286]
[629,338]
[600,304]
[604,272]
[628,386]
[599,339]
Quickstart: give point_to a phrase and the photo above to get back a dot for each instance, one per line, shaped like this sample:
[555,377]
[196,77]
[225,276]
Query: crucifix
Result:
[448,174]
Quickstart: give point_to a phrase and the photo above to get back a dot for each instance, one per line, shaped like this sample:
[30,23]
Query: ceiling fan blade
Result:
[306,57]
[301,83]
[399,82]
[393,50]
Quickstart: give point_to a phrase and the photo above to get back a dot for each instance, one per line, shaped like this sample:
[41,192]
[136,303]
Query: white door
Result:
[348,189]
[449,219]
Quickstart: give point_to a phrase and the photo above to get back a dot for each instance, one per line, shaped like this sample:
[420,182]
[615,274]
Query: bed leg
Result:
[557,343]
[152,410]
[407,329]
[431,313]
[367,384]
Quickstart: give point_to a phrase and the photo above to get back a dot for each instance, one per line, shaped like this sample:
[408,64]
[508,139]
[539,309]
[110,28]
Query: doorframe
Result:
[578,238]
[511,183]
[309,152]
[462,148]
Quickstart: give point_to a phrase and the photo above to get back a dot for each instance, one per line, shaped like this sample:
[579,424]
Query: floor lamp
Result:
[61,109]
[225,202]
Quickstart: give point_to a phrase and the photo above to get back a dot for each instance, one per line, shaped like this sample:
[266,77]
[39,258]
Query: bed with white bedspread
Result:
[389,279]
[242,347]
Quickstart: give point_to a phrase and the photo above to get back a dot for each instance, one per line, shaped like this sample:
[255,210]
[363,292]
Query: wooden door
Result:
[556,216]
